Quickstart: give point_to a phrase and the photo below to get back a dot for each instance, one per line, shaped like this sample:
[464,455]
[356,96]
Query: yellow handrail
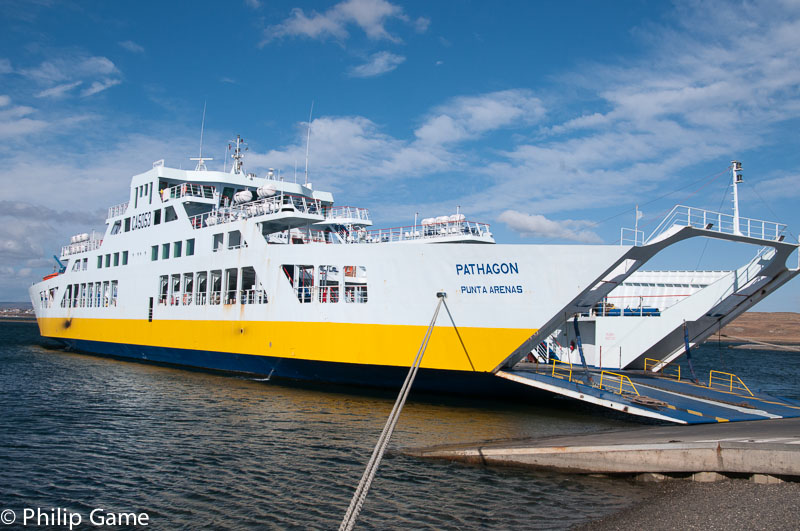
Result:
[673,370]
[727,380]
[621,380]
[562,372]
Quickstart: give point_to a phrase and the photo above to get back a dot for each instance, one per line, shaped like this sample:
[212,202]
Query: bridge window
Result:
[169,214]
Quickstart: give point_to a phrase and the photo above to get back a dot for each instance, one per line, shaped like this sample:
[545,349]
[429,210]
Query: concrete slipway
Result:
[766,450]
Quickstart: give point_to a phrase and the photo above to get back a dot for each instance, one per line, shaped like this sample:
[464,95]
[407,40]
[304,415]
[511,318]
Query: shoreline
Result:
[730,504]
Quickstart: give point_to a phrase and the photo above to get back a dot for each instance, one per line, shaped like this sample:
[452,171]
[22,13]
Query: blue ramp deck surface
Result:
[682,402]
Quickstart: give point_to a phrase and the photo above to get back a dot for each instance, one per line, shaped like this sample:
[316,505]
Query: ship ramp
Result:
[723,397]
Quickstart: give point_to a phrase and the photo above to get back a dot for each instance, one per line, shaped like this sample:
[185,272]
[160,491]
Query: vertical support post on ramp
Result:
[580,350]
[688,351]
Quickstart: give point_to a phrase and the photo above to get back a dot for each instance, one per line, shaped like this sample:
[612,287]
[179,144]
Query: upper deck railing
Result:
[81,247]
[204,191]
[685,216]
[117,210]
[422,232]
[347,213]
[279,203]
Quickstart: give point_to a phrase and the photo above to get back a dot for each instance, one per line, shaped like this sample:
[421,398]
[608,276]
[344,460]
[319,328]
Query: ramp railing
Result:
[684,216]
[727,382]
[617,383]
[562,369]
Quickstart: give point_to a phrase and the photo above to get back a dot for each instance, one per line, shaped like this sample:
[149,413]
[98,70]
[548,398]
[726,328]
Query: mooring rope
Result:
[360,494]
[458,333]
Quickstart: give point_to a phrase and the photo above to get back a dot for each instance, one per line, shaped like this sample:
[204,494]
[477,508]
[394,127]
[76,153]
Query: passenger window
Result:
[217,243]
[231,285]
[175,290]
[188,288]
[202,286]
[234,239]
[355,284]
[329,283]
[216,286]
[163,284]
[301,279]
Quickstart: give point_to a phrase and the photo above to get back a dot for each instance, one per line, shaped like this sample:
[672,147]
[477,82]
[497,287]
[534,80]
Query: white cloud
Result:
[57,91]
[132,46]
[370,16]
[700,93]
[60,75]
[70,67]
[5,66]
[538,226]
[15,122]
[467,117]
[379,63]
[252,4]
[422,24]
[99,86]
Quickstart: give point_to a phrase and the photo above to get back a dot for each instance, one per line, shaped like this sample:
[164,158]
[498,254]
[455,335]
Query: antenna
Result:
[308,136]
[201,162]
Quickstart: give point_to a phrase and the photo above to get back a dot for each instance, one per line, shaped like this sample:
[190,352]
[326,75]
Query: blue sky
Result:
[541,118]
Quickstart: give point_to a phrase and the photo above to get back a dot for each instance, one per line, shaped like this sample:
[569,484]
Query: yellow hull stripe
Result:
[371,344]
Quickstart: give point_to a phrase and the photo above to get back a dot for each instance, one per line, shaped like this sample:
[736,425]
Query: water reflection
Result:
[202,450]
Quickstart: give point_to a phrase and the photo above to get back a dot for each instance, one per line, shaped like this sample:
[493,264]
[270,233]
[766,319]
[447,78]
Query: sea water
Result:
[91,436]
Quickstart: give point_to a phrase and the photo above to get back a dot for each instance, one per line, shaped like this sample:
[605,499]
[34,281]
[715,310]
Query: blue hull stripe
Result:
[435,380]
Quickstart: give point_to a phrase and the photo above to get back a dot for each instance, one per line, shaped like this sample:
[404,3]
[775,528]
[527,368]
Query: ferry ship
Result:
[230,271]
